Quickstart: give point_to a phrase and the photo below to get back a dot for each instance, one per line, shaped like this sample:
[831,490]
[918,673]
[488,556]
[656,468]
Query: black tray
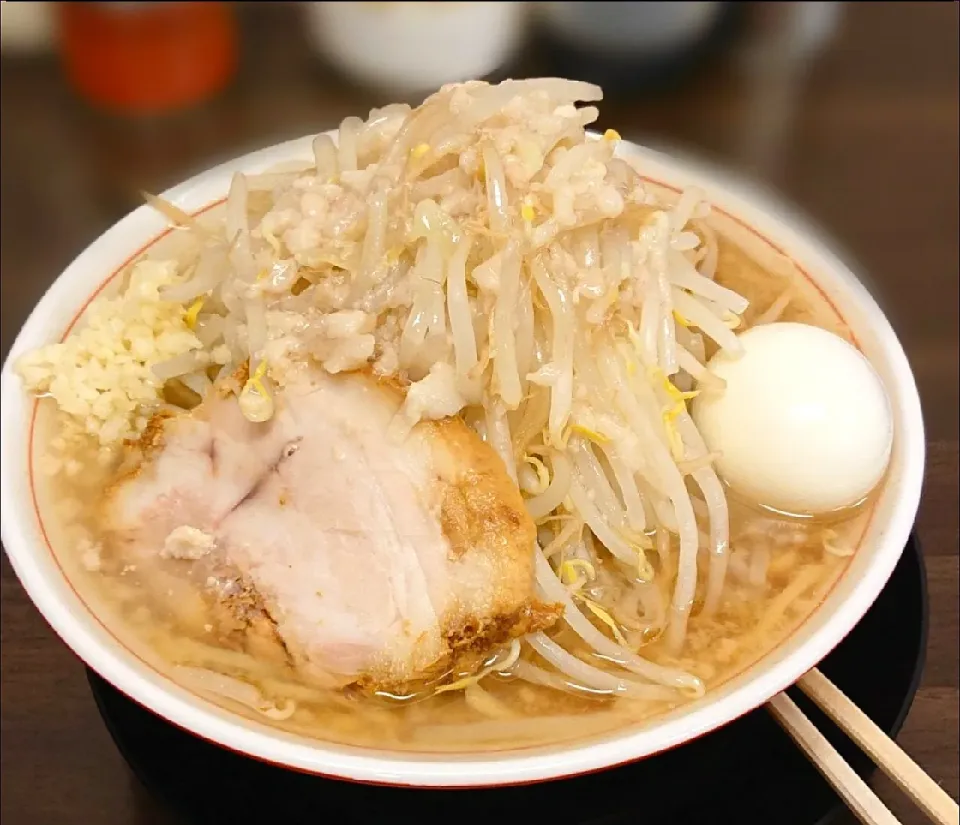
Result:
[742,774]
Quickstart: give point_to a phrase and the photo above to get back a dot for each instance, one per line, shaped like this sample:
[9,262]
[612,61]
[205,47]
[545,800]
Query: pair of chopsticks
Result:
[887,755]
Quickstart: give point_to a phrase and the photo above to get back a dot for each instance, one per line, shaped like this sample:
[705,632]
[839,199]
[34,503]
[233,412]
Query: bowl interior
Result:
[763,227]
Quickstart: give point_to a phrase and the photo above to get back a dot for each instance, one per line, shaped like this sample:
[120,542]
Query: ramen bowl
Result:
[754,220]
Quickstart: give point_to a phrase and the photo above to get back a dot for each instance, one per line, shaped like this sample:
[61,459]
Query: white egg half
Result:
[804,424]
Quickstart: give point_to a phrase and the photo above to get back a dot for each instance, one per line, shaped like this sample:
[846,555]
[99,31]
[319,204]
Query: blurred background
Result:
[850,111]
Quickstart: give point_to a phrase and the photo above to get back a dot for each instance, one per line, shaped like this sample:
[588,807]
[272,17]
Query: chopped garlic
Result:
[102,372]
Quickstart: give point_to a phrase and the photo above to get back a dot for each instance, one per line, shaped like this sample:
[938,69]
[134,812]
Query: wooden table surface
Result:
[863,137]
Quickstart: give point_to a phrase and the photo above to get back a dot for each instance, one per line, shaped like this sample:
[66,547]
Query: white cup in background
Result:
[416,47]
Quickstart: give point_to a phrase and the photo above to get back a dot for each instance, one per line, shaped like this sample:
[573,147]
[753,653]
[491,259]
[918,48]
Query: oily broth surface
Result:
[749,624]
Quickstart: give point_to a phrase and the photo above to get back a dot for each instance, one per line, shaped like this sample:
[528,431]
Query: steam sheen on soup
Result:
[400,447]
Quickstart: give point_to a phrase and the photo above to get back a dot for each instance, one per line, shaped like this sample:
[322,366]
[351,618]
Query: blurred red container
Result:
[147,58]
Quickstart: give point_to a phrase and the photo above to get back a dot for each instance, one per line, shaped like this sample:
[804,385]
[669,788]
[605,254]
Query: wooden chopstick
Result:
[867,806]
[889,757]
[845,780]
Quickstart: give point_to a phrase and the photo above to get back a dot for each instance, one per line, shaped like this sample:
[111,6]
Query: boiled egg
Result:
[803,425]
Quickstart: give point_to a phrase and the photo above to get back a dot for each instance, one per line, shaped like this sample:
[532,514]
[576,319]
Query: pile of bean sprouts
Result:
[506,266]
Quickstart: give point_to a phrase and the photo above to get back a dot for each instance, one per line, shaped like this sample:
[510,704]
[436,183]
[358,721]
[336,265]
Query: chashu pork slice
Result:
[379,563]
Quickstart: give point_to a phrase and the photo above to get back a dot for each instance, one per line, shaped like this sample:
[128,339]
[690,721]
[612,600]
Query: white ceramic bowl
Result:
[759,223]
